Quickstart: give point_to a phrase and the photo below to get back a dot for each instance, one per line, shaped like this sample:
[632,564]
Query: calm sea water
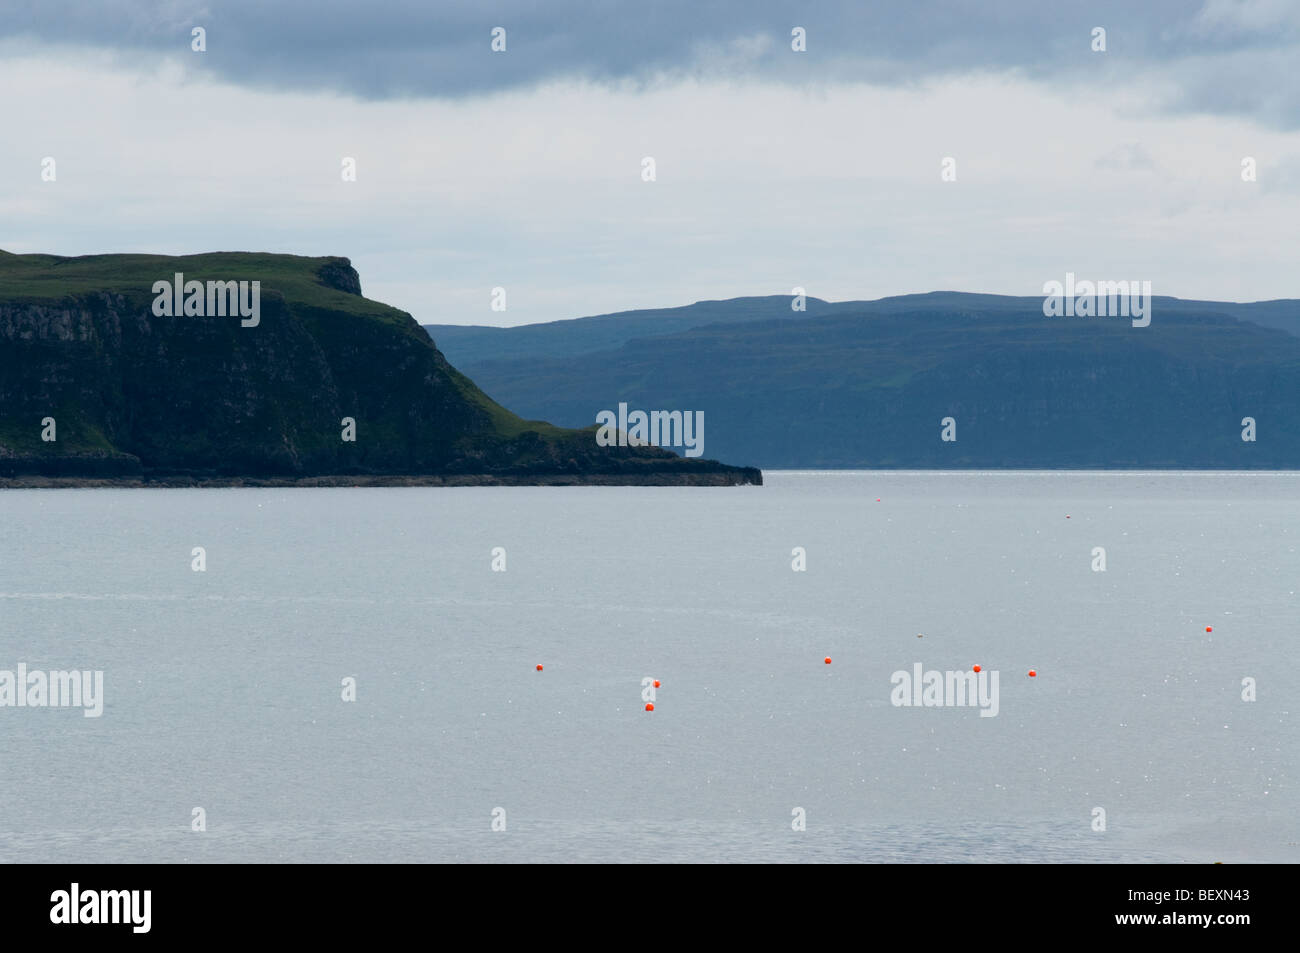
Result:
[223,688]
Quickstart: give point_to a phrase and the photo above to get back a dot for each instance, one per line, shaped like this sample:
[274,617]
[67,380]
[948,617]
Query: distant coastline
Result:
[937,380]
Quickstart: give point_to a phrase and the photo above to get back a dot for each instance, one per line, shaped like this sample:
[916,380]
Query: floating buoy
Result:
[877,499]
[1067,516]
[539,668]
[1209,628]
[1032,673]
[828,660]
[649,706]
[975,668]
[656,683]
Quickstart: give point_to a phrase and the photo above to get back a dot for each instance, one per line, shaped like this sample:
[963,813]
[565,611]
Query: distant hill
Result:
[473,344]
[865,384]
[469,345]
[140,395]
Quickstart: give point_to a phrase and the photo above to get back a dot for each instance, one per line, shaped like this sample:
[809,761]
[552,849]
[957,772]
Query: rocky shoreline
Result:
[746,476]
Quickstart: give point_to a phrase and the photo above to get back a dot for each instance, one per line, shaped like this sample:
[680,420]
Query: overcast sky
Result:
[775,168]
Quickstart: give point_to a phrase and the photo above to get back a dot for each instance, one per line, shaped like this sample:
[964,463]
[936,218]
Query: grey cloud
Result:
[1127,157]
[415,48]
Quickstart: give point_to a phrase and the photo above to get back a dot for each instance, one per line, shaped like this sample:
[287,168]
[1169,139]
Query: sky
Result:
[523,169]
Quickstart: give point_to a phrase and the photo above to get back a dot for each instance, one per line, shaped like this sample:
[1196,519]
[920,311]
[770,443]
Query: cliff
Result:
[181,398]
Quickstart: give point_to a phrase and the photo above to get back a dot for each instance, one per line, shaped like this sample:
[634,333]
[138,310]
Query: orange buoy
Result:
[828,660]
[877,499]
[649,706]
[539,668]
[1209,628]
[656,683]
[976,668]
[1032,673]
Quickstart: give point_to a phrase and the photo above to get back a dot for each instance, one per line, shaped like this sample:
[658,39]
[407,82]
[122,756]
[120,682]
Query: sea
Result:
[351,674]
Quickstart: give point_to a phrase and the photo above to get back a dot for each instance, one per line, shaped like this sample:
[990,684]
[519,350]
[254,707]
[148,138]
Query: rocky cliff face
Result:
[132,393]
[338,273]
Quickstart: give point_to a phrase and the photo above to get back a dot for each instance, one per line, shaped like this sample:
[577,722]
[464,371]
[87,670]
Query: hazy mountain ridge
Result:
[856,384]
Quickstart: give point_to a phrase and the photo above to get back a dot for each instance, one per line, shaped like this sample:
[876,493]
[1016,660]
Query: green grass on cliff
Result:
[48,279]
[295,277]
